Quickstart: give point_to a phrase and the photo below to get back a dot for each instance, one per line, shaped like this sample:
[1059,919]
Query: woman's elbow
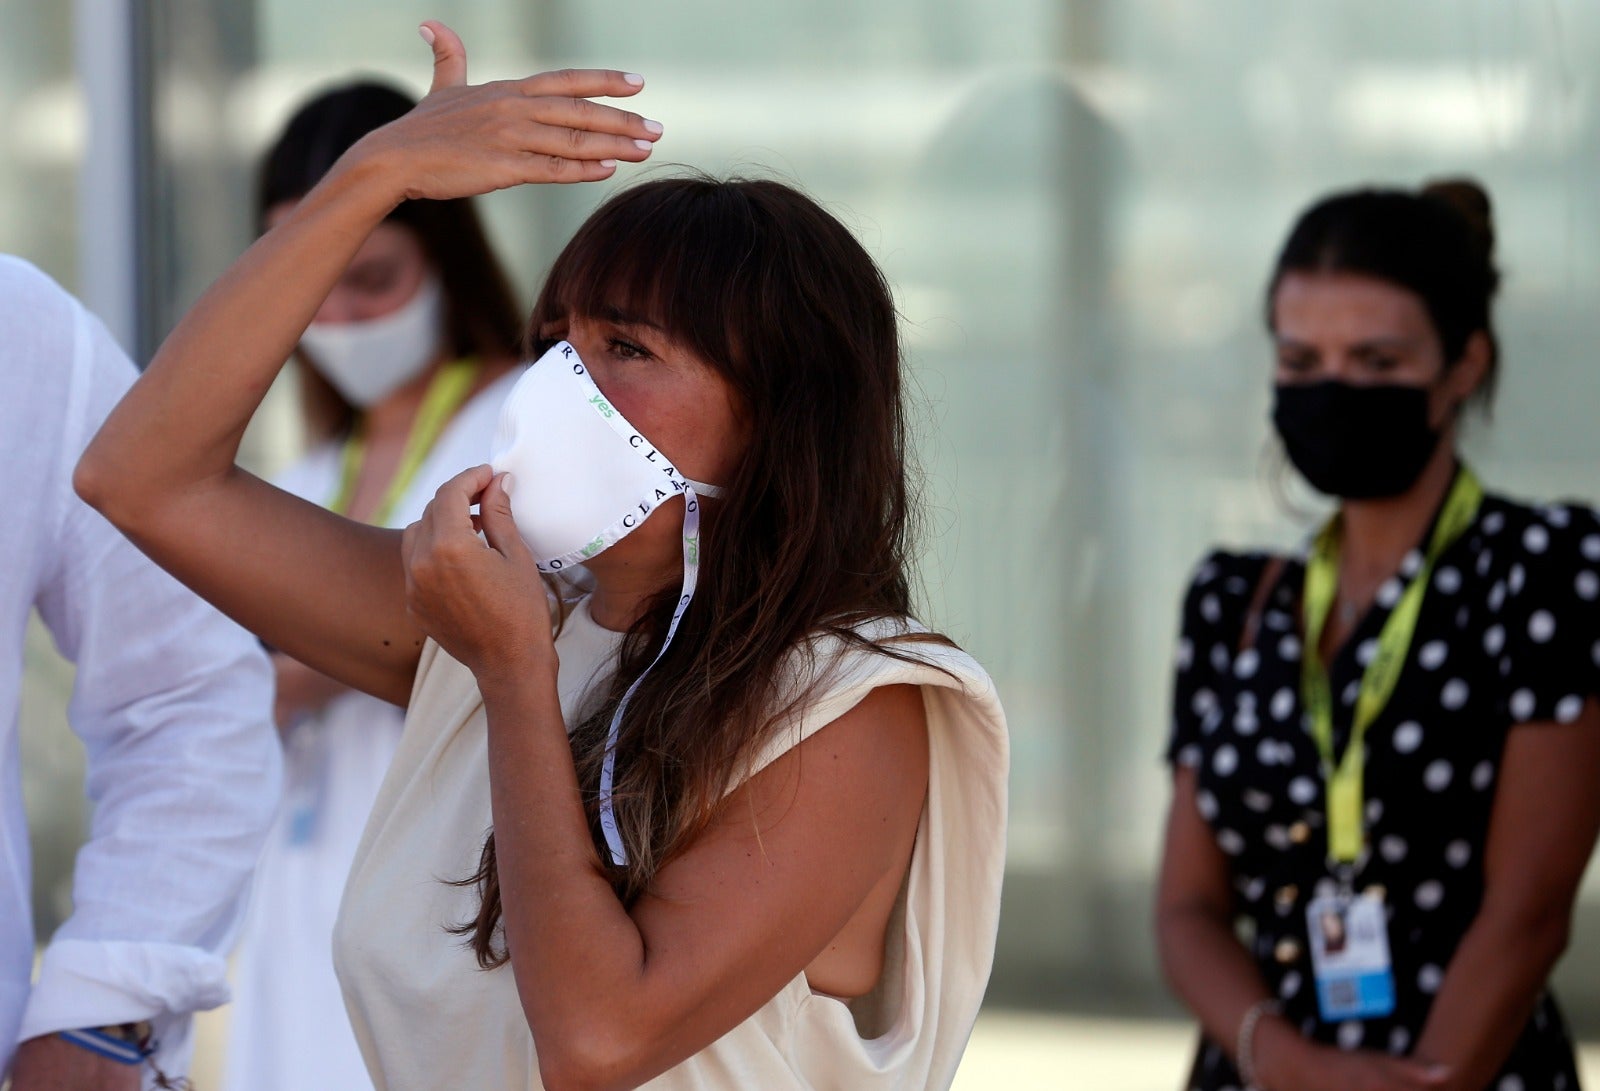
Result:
[119,487]
[1542,932]
[1552,935]
[1176,926]
[593,1057]
[93,481]
[568,1069]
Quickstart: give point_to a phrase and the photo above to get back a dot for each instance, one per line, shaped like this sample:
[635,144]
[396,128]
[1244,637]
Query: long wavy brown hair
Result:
[813,533]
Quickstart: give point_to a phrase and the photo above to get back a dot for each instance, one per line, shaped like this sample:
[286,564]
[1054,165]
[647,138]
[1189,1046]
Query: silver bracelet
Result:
[1245,1054]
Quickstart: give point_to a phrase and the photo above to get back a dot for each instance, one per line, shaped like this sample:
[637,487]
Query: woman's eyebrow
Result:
[627,318]
[1381,344]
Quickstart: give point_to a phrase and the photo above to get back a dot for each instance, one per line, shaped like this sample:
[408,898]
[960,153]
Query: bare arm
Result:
[300,691]
[1203,960]
[326,590]
[1541,833]
[1217,979]
[52,1063]
[615,996]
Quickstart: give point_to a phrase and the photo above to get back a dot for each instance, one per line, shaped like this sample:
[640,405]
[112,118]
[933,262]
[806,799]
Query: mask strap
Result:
[702,489]
[691,572]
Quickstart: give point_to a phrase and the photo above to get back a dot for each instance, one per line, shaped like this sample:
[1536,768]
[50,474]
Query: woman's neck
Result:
[632,573]
[621,598]
[1377,534]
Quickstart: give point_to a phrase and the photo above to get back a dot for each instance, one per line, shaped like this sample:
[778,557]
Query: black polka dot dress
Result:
[1509,634]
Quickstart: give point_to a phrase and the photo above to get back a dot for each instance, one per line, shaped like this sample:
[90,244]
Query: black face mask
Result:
[1356,442]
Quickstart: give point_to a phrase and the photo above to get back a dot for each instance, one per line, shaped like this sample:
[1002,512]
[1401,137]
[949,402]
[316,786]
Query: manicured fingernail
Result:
[506,481]
[633,78]
[652,126]
[426,32]
[643,145]
[608,163]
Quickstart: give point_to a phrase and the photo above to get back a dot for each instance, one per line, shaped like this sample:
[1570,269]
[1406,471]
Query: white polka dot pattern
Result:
[1509,633]
[1433,655]
[1407,737]
[1438,775]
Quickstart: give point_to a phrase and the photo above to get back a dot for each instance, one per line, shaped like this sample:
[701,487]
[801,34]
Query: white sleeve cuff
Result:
[94,983]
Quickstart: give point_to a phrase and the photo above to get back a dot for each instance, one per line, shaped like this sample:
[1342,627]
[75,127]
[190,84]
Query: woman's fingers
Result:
[1426,1075]
[464,140]
[449,55]
[585,115]
[494,515]
[565,143]
[556,169]
[582,83]
[452,503]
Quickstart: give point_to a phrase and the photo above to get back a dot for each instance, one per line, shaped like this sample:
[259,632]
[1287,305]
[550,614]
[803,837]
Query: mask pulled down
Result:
[582,479]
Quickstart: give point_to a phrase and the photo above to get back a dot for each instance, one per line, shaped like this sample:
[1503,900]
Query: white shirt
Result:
[172,702]
[428,1017]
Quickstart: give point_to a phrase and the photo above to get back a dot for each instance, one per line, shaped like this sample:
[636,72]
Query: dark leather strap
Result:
[1258,602]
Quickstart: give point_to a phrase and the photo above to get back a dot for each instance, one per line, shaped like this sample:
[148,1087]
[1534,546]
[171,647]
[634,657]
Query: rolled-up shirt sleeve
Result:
[173,704]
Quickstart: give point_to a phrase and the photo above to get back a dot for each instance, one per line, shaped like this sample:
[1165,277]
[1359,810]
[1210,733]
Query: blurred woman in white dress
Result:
[402,375]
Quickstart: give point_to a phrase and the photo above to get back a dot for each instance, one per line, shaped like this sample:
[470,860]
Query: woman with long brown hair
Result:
[401,372]
[748,816]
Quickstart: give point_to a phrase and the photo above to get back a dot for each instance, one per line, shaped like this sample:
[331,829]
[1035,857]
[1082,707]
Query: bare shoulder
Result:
[845,797]
[876,751]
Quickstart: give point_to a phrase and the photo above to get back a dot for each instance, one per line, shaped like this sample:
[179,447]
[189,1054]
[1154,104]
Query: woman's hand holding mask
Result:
[485,604]
[464,140]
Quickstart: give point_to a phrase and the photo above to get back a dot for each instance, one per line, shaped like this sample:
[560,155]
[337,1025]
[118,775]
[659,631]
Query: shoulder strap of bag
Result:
[1258,602]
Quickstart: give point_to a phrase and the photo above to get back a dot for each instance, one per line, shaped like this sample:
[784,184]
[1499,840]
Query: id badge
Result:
[1350,957]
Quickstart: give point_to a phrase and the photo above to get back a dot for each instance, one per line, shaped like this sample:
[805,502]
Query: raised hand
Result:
[329,592]
[462,140]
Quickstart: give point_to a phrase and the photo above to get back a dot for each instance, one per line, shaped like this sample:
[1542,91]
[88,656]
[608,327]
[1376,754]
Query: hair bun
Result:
[1471,200]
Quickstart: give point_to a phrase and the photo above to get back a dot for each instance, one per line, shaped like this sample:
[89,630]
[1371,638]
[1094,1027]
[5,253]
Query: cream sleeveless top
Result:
[427,1017]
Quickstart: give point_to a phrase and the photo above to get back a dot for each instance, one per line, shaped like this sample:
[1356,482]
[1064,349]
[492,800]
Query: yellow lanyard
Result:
[1346,833]
[446,392]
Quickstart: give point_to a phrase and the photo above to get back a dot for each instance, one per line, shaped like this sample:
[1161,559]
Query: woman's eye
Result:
[628,350]
[373,281]
[1296,364]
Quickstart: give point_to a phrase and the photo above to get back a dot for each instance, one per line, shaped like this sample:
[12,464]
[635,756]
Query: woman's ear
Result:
[1472,370]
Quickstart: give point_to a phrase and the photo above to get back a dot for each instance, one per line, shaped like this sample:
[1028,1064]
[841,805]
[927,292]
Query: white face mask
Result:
[582,479]
[367,361]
